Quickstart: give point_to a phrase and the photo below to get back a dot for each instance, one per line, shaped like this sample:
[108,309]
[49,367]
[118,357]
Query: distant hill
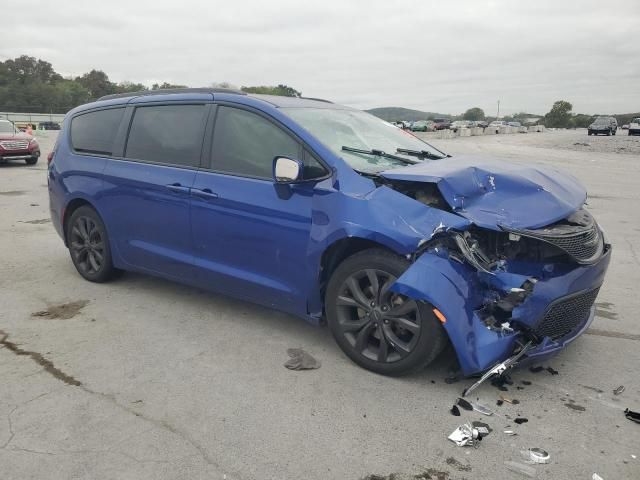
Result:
[395,114]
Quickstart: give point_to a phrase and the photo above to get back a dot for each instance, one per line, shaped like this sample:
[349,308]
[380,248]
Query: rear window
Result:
[95,132]
[170,134]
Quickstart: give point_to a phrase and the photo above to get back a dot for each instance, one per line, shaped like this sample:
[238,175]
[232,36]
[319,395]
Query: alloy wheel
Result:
[378,324]
[87,245]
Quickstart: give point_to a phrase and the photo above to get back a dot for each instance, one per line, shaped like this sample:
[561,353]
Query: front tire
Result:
[379,330]
[89,245]
[31,161]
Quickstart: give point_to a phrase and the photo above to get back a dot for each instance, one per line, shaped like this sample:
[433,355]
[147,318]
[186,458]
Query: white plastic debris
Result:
[510,433]
[521,468]
[468,435]
[537,455]
[596,477]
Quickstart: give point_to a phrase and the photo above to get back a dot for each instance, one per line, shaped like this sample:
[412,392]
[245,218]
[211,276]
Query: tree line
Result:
[30,85]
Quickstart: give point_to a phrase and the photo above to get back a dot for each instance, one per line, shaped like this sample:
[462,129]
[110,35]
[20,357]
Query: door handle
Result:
[204,193]
[177,188]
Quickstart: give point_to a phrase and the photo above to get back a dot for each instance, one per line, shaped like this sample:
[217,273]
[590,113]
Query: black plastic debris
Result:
[552,371]
[631,415]
[451,379]
[619,390]
[464,404]
[455,411]
[499,403]
[521,420]
[499,383]
[526,382]
[537,369]
[300,360]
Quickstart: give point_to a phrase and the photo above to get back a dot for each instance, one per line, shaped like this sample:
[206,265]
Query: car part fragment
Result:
[469,434]
[499,369]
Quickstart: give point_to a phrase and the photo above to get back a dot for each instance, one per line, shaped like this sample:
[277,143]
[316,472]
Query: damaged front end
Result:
[510,292]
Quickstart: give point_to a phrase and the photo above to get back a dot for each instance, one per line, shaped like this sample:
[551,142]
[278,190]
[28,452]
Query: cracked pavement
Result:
[172,382]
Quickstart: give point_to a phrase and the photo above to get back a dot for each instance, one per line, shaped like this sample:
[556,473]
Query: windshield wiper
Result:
[421,153]
[380,153]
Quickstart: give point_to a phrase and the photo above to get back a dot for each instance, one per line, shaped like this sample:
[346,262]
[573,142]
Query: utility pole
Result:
[498,116]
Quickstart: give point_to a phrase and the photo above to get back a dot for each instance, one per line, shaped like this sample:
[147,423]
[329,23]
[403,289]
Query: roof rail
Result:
[316,99]
[165,91]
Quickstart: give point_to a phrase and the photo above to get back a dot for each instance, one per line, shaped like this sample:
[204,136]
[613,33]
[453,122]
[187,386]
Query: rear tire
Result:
[89,245]
[381,331]
[31,161]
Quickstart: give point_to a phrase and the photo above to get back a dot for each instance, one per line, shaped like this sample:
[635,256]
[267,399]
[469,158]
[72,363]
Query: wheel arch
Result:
[71,207]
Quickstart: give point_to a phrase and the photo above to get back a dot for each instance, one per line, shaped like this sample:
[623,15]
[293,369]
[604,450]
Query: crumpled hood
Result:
[492,194]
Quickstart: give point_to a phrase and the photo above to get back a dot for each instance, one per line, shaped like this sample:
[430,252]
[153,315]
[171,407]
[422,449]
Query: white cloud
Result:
[430,55]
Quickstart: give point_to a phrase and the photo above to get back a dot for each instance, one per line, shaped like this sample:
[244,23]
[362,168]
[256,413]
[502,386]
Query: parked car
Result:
[603,125]
[421,126]
[16,145]
[634,126]
[458,124]
[326,212]
[441,123]
[514,124]
[625,126]
[49,126]
[481,124]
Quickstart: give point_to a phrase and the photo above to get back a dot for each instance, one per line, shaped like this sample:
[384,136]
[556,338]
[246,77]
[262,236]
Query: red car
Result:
[16,145]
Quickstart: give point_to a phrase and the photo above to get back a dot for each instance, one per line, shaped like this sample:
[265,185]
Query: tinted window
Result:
[246,144]
[167,134]
[94,132]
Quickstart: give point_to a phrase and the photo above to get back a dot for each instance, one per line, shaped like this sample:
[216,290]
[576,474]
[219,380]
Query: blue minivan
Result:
[330,214]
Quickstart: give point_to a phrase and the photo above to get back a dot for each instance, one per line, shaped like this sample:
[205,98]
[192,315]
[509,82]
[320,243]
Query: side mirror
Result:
[287,170]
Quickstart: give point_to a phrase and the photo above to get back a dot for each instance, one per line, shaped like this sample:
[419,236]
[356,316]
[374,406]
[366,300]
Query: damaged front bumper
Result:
[556,306]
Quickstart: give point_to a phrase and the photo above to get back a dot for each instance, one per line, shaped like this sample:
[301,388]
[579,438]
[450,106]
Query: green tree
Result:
[281,90]
[560,115]
[97,83]
[164,85]
[474,114]
[127,87]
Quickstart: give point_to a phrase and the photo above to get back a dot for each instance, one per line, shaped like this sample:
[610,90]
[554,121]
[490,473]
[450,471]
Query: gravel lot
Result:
[142,378]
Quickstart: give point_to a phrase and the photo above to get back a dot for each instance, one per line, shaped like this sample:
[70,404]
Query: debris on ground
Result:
[464,404]
[595,476]
[537,369]
[526,382]
[64,311]
[300,360]
[538,455]
[481,409]
[583,144]
[521,468]
[512,401]
[499,402]
[455,411]
[469,434]
[631,415]
[521,420]
[552,371]
[511,433]
[619,390]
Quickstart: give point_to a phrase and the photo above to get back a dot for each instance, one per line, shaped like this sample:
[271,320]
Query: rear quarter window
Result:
[94,132]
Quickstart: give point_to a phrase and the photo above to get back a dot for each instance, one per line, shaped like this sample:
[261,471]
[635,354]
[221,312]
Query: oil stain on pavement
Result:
[64,311]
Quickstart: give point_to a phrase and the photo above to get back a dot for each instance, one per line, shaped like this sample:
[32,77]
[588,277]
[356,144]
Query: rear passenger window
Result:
[246,144]
[95,132]
[169,134]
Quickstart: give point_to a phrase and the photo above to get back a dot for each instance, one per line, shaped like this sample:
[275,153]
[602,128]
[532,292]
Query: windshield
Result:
[600,121]
[359,130]
[7,127]
[636,120]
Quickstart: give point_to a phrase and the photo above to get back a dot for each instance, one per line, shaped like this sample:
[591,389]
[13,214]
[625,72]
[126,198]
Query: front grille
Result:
[14,144]
[566,314]
[579,236]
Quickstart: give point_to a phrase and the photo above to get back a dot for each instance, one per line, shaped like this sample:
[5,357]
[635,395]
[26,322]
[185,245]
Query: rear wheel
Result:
[89,245]
[31,161]
[380,330]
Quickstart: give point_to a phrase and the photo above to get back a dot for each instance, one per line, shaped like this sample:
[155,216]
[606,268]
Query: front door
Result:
[250,235]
